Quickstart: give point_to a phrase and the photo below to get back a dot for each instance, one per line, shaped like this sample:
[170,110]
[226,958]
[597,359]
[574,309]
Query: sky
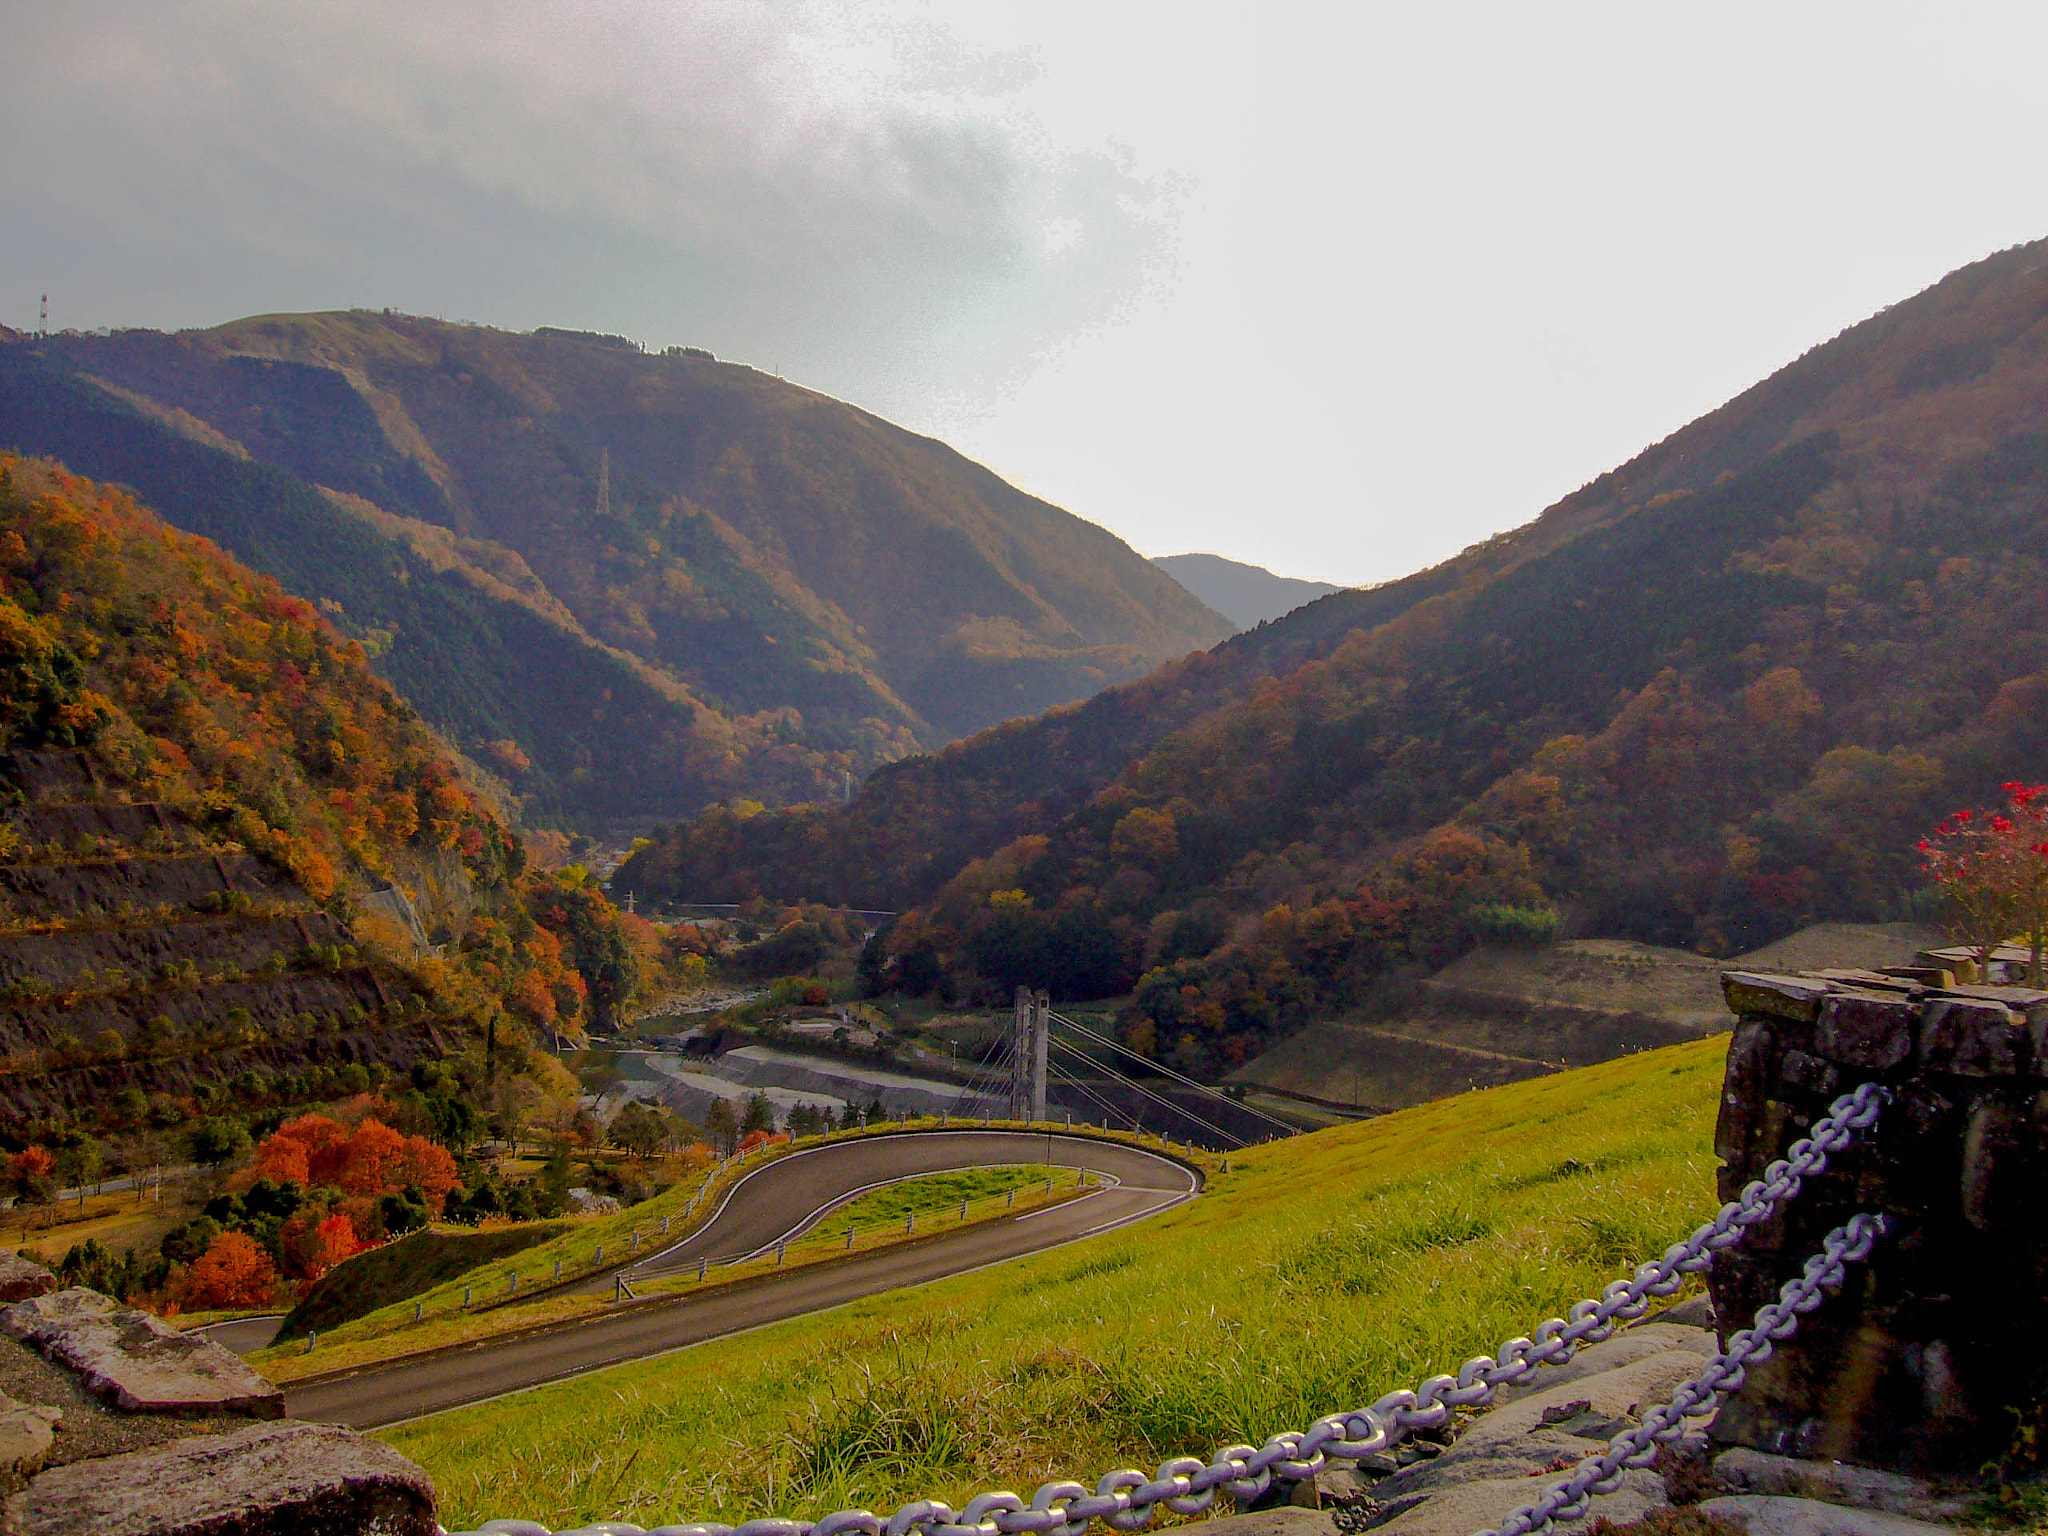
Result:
[1338,289]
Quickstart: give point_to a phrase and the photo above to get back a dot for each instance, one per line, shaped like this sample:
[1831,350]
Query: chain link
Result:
[1724,1374]
[1125,1499]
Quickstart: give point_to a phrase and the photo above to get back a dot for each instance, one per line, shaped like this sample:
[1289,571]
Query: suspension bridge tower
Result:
[1029,1045]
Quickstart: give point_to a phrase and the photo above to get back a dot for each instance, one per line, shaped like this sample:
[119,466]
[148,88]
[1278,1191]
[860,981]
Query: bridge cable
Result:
[1165,1071]
[1110,1113]
[1179,1111]
[1168,1072]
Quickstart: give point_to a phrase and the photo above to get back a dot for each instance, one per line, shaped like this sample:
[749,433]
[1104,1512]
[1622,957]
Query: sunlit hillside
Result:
[1318,1274]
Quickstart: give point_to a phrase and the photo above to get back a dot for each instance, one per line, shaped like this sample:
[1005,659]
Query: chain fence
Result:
[1127,1499]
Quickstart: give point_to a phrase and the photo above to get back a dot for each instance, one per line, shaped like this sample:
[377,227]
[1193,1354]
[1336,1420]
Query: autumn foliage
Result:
[213,690]
[233,1272]
[372,1159]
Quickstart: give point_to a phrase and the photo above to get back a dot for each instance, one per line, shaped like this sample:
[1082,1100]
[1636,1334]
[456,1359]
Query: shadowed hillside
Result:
[1711,697]
[628,584]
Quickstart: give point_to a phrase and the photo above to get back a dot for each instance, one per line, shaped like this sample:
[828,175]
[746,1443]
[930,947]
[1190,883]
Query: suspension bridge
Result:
[1050,1067]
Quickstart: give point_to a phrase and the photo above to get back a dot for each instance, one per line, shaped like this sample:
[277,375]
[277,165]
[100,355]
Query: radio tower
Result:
[43,326]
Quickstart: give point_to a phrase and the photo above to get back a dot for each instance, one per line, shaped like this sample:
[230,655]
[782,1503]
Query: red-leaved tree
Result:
[371,1160]
[1993,872]
[233,1272]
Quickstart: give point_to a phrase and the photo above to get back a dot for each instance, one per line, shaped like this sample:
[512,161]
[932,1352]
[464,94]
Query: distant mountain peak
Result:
[1247,595]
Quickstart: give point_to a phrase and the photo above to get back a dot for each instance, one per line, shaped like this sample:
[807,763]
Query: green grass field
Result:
[935,1193]
[1316,1275]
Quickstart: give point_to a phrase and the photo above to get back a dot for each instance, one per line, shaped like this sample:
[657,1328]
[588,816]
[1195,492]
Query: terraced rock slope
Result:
[138,954]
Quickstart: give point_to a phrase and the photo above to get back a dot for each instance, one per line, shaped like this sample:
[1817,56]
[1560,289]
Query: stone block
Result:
[2000,1166]
[1693,1312]
[137,1362]
[1933,976]
[1810,1074]
[266,1480]
[1656,1336]
[1794,998]
[1282,1521]
[1875,981]
[20,1278]
[2036,1026]
[1744,1087]
[1767,1515]
[1971,1037]
[1865,1029]
[2019,999]
[1622,1390]
[1483,1504]
[26,1432]
[1743,1470]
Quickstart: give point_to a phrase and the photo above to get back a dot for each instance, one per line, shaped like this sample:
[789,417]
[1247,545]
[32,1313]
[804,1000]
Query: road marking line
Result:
[1064,1205]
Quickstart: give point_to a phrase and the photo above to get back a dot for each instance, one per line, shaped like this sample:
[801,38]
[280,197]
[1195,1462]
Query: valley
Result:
[1374,953]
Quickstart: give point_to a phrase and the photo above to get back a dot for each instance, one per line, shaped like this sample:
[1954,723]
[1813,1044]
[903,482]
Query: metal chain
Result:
[1847,1244]
[1125,1499]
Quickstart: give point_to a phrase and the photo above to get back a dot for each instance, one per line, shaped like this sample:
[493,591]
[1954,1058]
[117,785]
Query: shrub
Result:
[1496,922]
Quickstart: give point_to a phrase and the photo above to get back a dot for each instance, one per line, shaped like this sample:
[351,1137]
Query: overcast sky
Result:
[1338,289]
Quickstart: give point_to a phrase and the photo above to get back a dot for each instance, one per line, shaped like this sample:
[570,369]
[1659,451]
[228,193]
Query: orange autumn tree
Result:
[313,1248]
[233,1272]
[371,1160]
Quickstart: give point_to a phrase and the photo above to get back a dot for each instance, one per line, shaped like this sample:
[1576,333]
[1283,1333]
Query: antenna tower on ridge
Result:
[43,326]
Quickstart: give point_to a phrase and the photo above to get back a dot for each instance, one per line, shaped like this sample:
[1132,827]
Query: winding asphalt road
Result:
[776,1201]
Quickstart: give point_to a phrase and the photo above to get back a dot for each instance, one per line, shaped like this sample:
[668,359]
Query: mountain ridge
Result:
[1247,595]
[787,588]
[1708,697]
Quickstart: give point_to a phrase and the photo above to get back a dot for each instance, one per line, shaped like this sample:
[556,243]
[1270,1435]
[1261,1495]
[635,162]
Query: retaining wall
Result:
[1933,1355]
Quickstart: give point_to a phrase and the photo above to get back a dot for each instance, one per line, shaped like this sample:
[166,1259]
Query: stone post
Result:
[1925,1358]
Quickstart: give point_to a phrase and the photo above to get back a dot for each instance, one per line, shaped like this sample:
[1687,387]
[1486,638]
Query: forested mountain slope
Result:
[1711,696]
[206,802]
[917,821]
[630,584]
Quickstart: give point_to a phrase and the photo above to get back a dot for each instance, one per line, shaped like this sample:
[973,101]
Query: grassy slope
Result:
[387,1275]
[1316,1275]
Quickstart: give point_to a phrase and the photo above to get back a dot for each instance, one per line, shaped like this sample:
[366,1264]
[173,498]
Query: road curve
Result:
[776,1200]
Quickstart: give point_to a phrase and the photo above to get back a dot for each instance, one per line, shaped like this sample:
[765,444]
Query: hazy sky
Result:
[1335,288]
